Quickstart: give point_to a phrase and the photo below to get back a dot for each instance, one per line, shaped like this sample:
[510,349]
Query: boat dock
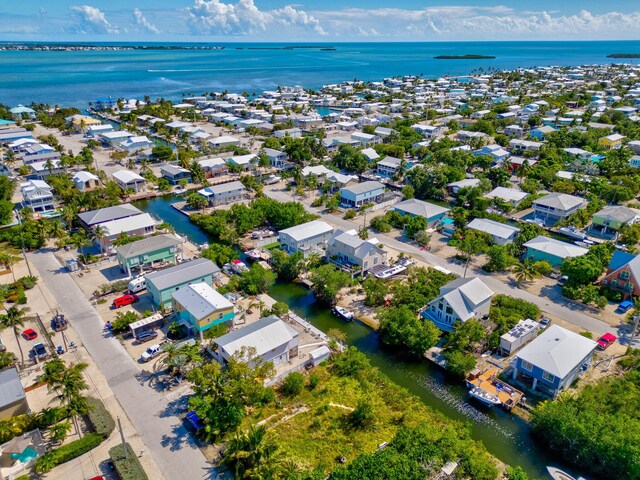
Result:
[436,355]
[489,382]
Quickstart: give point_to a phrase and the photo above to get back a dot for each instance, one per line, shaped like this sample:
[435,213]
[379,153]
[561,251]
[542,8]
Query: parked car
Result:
[624,307]
[545,322]
[151,352]
[59,323]
[39,351]
[124,300]
[606,340]
[193,420]
[146,336]
[30,334]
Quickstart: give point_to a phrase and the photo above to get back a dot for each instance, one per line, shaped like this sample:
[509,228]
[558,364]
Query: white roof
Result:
[128,224]
[307,230]
[370,153]
[224,139]
[127,176]
[200,300]
[507,194]
[242,159]
[116,134]
[464,295]
[496,229]
[557,351]
[84,176]
[555,247]
[264,335]
[211,162]
[420,208]
[560,201]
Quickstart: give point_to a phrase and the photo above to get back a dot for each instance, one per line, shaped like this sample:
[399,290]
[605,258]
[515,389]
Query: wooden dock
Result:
[489,382]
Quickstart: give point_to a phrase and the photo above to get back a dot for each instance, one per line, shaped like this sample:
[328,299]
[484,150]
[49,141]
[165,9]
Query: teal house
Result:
[162,284]
[149,251]
[551,250]
[413,207]
[199,306]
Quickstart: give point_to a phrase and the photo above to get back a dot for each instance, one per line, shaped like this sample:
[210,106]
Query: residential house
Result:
[37,195]
[272,339]
[175,174]
[453,187]
[361,194]
[515,131]
[163,283]
[85,181]
[224,193]
[224,141]
[247,162]
[466,136]
[413,207]
[95,130]
[496,152]
[338,180]
[200,307]
[41,170]
[8,135]
[90,219]
[370,154]
[556,206]
[459,301]
[133,144]
[623,274]
[553,360]
[550,250]
[347,250]
[113,139]
[607,222]
[511,196]
[152,250]
[389,166]
[306,238]
[365,139]
[277,159]
[13,400]
[288,132]
[22,112]
[142,225]
[428,131]
[525,145]
[516,338]
[611,141]
[541,133]
[501,233]
[126,179]
[35,152]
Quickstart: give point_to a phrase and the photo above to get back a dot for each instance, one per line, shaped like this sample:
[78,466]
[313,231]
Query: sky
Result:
[317,20]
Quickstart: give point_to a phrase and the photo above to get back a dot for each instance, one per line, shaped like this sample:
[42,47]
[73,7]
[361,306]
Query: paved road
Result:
[151,413]
[565,310]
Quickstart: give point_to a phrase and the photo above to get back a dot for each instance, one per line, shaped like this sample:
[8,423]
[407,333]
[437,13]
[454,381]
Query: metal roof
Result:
[200,300]
[557,351]
[496,229]
[102,215]
[420,208]
[183,273]
[559,201]
[128,224]
[147,245]
[363,187]
[264,335]
[464,295]
[307,230]
[11,389]
[126,176]
[555,247]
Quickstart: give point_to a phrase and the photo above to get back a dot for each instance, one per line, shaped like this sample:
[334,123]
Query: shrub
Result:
[349,214]
[100,418]
[127,469]
[293,384]
[122,321]
[27,282]
[67,452]
[363,415]
[314,380]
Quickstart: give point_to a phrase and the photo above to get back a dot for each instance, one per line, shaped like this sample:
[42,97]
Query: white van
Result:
[137,285]
[151,352]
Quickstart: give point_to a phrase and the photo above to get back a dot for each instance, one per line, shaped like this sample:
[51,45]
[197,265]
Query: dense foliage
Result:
[128,469]
[67,452]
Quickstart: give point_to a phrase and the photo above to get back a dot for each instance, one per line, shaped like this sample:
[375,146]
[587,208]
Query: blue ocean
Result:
[76,78]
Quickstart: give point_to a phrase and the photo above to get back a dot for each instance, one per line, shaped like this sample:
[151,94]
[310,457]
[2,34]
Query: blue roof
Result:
[619,259]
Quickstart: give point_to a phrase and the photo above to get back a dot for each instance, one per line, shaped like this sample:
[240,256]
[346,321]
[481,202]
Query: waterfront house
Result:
[511,196]
[623,274]
[607,222]
[85,181]
[272,339]
[150,251]
[113,139]
[550,250]
[553,360]
[413,207]
[90,219]
[162,283]
[142,225]
[224,193]
[501,233]
[611,141]
[133,144]
[347,250]
[459,301]
[361,194]
[556,206]
[223,141]
[306,238]
[247,162]
[21,112]
[213,166]
[277,159]
[37,195]
[200,307]
[175,174]
[128,180]
[13,400]
[95,130]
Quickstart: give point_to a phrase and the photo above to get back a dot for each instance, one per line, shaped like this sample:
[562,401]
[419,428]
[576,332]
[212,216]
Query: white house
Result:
[133,144]
[84,180]
[224,141]
[306,238]
[224,193]
[37,195]
[126,179]
[501,233]
[511,196]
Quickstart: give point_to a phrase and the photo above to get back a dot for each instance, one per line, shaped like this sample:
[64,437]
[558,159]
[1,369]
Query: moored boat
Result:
[484,396]
[558,474]
[254,254]
[343,313]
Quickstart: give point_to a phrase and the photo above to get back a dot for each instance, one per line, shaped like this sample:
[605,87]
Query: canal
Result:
[504,435]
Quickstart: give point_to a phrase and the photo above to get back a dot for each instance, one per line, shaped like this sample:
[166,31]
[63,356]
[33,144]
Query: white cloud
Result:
[88,19]
[214,17]
[141,21]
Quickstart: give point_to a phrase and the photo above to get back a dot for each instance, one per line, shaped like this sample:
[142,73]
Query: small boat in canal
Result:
[343,313]
[255,254]
[484,396]
[558,474]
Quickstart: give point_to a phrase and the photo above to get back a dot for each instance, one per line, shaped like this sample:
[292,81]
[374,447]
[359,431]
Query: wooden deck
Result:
[489,382]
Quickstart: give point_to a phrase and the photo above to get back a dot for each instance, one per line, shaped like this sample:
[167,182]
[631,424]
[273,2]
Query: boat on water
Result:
[572,232]
[484,396]
[558,474]
[343,313]
[254,254]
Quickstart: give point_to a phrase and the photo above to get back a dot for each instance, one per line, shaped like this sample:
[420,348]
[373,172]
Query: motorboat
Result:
[390,272]
[343,313]
[558,474]
[485,397]
[254,254]
[572,232]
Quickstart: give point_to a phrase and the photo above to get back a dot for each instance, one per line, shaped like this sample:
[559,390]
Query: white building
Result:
[306,238]
[37,195]
[126,179]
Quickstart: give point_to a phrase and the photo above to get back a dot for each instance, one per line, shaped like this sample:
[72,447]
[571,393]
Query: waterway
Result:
[504,435]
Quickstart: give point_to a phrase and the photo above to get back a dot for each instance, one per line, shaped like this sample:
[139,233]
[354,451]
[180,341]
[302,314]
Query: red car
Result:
[605,340]
[30,334]
[127,299]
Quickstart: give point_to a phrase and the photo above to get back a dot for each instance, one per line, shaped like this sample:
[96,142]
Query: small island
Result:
[624,55]
[464,57]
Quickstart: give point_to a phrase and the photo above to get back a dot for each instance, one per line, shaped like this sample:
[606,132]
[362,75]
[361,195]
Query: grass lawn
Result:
[314,427]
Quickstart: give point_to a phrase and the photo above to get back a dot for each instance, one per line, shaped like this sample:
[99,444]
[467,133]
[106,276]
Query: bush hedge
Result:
[16,426]
[130,469]
[67,452]
[100,418]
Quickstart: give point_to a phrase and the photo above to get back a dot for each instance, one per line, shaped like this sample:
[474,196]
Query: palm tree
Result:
[260,304]
[9,257]
[252,454]
[525,272]
[523,169]
[98,233]
[14,319]
[57,230]
[68,383]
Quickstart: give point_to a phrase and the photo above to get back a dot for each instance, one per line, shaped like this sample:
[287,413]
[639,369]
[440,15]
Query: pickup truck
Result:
[39,351]
[151,352]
